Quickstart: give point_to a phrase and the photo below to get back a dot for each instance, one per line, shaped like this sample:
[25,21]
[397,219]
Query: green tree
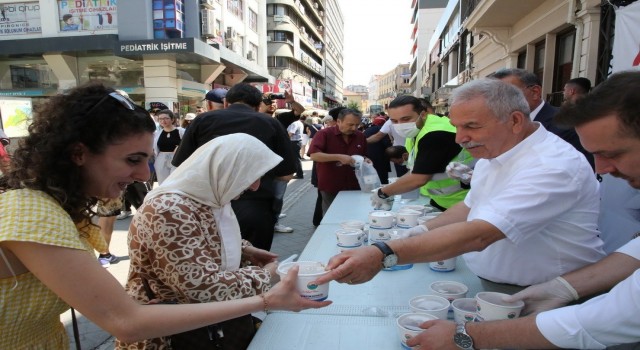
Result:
[354,105]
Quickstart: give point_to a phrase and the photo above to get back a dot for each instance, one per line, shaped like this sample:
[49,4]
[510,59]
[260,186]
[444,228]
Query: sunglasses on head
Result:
[124,101]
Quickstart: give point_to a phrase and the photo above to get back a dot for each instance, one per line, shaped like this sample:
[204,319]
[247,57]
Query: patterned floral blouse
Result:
[175,245]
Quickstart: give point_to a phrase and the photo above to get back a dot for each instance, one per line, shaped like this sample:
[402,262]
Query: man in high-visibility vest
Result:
[431,146]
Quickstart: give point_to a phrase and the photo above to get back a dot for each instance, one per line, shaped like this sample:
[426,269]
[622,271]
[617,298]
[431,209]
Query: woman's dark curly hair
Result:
[43,159]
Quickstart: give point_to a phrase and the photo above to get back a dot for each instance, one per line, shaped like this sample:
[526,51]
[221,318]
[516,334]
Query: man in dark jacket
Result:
[254,210]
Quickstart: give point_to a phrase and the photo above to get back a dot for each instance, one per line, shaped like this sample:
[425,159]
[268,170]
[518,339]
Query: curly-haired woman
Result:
[89,143]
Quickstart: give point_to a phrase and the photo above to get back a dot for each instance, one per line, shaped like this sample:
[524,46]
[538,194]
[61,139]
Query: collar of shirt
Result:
[535,112]
[535,138]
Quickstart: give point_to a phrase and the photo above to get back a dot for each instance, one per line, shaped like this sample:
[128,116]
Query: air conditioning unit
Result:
[315,5]
[208,22]
[303,30]
[251,56]
[320,28]
[231,34]
[321,13]
[268,38]
[207,2]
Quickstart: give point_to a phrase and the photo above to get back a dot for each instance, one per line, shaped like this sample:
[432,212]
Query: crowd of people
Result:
[524,217]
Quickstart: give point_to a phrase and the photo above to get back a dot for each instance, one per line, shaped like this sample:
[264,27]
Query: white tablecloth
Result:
[362,316]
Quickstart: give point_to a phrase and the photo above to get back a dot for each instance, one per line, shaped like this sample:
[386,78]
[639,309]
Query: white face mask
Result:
[406,130]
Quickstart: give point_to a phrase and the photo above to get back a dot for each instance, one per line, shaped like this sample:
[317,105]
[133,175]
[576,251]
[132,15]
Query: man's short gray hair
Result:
[501,98]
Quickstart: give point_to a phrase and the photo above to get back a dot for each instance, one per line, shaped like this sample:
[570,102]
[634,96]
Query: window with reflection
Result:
[253,20]
[236,7]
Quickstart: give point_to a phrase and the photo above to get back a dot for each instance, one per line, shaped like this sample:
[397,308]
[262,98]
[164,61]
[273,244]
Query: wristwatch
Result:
[462,339]
[382,194]
[389,259]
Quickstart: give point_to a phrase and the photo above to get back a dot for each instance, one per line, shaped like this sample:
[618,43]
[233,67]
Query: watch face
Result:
[463,341]
[390,260]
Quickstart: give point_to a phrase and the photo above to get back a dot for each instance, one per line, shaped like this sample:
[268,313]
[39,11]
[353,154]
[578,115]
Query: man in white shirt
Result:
[608,122]
[398,140]
[295,131]
[531,212]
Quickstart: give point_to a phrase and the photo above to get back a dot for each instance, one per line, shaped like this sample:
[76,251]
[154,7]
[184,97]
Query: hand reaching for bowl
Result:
[545,296]
[285,296]
[353,266]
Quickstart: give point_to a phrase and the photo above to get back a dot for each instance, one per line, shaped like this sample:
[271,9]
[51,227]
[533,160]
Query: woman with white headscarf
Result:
[184,241]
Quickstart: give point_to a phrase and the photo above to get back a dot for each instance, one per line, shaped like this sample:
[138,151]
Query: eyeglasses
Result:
[124,101]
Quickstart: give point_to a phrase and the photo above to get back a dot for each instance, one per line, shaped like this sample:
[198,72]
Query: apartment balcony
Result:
[499,13]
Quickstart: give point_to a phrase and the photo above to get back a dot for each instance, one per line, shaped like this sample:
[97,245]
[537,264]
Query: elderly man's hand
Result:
[438,335]
[345,159]
[353,266]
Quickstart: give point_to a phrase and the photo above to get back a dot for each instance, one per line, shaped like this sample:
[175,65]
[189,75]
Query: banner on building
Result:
[20,18]
[626,42]
[87,15]
[16,115]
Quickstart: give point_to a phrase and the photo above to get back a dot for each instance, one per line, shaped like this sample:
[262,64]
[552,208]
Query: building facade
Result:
[158,51]
[393,83]
[555,39]
[304,50]
[424,18]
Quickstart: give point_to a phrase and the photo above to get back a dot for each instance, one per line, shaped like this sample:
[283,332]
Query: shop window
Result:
[24,77]
[565,44]
[538,62]
[522,60]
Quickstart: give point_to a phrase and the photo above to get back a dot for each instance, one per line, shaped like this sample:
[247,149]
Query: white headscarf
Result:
[217,172]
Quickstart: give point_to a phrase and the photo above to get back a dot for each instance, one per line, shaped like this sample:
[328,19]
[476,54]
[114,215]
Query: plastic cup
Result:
[379,234]
[443,265]
[381,219]
[407,218]
[408,325]
[352,224]
[309,272]
[350,238]
[430,304]
[450,290]
[464,310]
[490,307]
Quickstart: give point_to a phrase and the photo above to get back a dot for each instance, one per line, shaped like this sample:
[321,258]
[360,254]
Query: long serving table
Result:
[363,315]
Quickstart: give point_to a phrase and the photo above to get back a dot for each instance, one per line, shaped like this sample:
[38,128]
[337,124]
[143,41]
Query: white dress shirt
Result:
[605,320]
[295,129]
[543,196]
[388,129]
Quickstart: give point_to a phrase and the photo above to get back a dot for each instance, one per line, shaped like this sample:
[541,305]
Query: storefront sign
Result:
[88,15]
[139,47]
[20,18]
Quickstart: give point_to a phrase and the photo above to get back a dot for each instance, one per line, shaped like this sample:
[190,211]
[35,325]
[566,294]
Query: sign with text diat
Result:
[20,18]
[87,15]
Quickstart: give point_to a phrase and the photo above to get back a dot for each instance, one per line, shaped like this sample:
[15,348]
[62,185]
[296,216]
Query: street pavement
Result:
[299,203]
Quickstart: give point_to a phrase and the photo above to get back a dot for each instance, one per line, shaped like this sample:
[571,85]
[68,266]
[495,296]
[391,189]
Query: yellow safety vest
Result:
[443,190]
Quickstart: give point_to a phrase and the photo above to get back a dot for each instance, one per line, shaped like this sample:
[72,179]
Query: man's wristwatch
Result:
[382,194]
[389,259]
[462,339]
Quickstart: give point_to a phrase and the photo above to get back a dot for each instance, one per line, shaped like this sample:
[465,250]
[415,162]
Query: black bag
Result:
[135,193]
[233,334]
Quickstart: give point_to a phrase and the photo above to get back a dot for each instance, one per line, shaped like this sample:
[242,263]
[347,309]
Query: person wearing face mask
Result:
[431,145]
